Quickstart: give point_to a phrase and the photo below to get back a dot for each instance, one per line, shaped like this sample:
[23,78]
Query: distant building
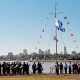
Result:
[34,55]
[74,55]
[48,51]
[25,52]
[65,51]
[40,51]
[74,52]
[10,55]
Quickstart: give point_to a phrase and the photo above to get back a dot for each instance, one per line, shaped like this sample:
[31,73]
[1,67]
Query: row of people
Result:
[23,68]
[71,68]
[14,68]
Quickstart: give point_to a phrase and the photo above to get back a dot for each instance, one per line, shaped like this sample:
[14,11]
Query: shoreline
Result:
[40,60]
[54,61]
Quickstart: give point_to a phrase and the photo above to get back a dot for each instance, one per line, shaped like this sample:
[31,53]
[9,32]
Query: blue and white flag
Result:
[59,25]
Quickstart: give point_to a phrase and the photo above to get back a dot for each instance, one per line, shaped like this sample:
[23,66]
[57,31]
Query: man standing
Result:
[57,68]
[39,68]
[27,68]
[70,68]
[65,68]
[0,68]
[61,68]
[24,68]
[34,68]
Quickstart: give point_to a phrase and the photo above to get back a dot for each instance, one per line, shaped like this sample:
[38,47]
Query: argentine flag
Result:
[59,25]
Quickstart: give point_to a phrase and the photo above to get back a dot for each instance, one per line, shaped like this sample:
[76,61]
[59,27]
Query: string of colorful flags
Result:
[60,27]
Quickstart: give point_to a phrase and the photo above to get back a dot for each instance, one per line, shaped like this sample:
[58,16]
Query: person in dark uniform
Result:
[4,68]
[14,68]
[57,68]
[70,68]
[20,68]
[73,67]
[24,68]
[39,68]
[65,68]
[61,68]
[0,68]
[8,68]
[34,68]
[17,68]
[78,68]
[27,68]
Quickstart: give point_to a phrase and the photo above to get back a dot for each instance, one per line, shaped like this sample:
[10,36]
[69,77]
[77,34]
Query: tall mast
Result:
[55,16]
[56,31]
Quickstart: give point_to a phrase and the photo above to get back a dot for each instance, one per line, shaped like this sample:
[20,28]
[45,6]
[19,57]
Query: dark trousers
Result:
[4,71]
[65,70]
[34,71]
[24,71]
[0,71]
[57,71]
[69,70]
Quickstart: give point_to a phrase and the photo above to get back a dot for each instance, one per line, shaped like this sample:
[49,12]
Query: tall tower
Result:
[40,51]
[65,51]
[25,52]
[48,51]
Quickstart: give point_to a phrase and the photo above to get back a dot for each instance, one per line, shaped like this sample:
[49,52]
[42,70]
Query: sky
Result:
[22,22]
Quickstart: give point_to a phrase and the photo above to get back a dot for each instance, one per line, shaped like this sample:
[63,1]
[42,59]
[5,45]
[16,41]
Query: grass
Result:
[42,77]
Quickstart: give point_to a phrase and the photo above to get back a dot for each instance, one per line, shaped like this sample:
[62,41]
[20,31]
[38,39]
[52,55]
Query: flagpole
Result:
[55,16]
[56,31]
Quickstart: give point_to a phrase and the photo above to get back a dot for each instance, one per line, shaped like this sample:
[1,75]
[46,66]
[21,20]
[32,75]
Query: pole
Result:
[56,31]
[55,16]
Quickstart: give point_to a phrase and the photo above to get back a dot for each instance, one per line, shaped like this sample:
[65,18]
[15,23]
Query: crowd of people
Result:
[71,68]
[14,68]
[19,68]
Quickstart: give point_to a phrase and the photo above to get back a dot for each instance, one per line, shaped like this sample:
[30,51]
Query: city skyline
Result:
[22,21]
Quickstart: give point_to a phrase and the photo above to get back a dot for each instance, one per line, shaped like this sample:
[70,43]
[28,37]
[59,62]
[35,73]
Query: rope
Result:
[62,38]
[49,40]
